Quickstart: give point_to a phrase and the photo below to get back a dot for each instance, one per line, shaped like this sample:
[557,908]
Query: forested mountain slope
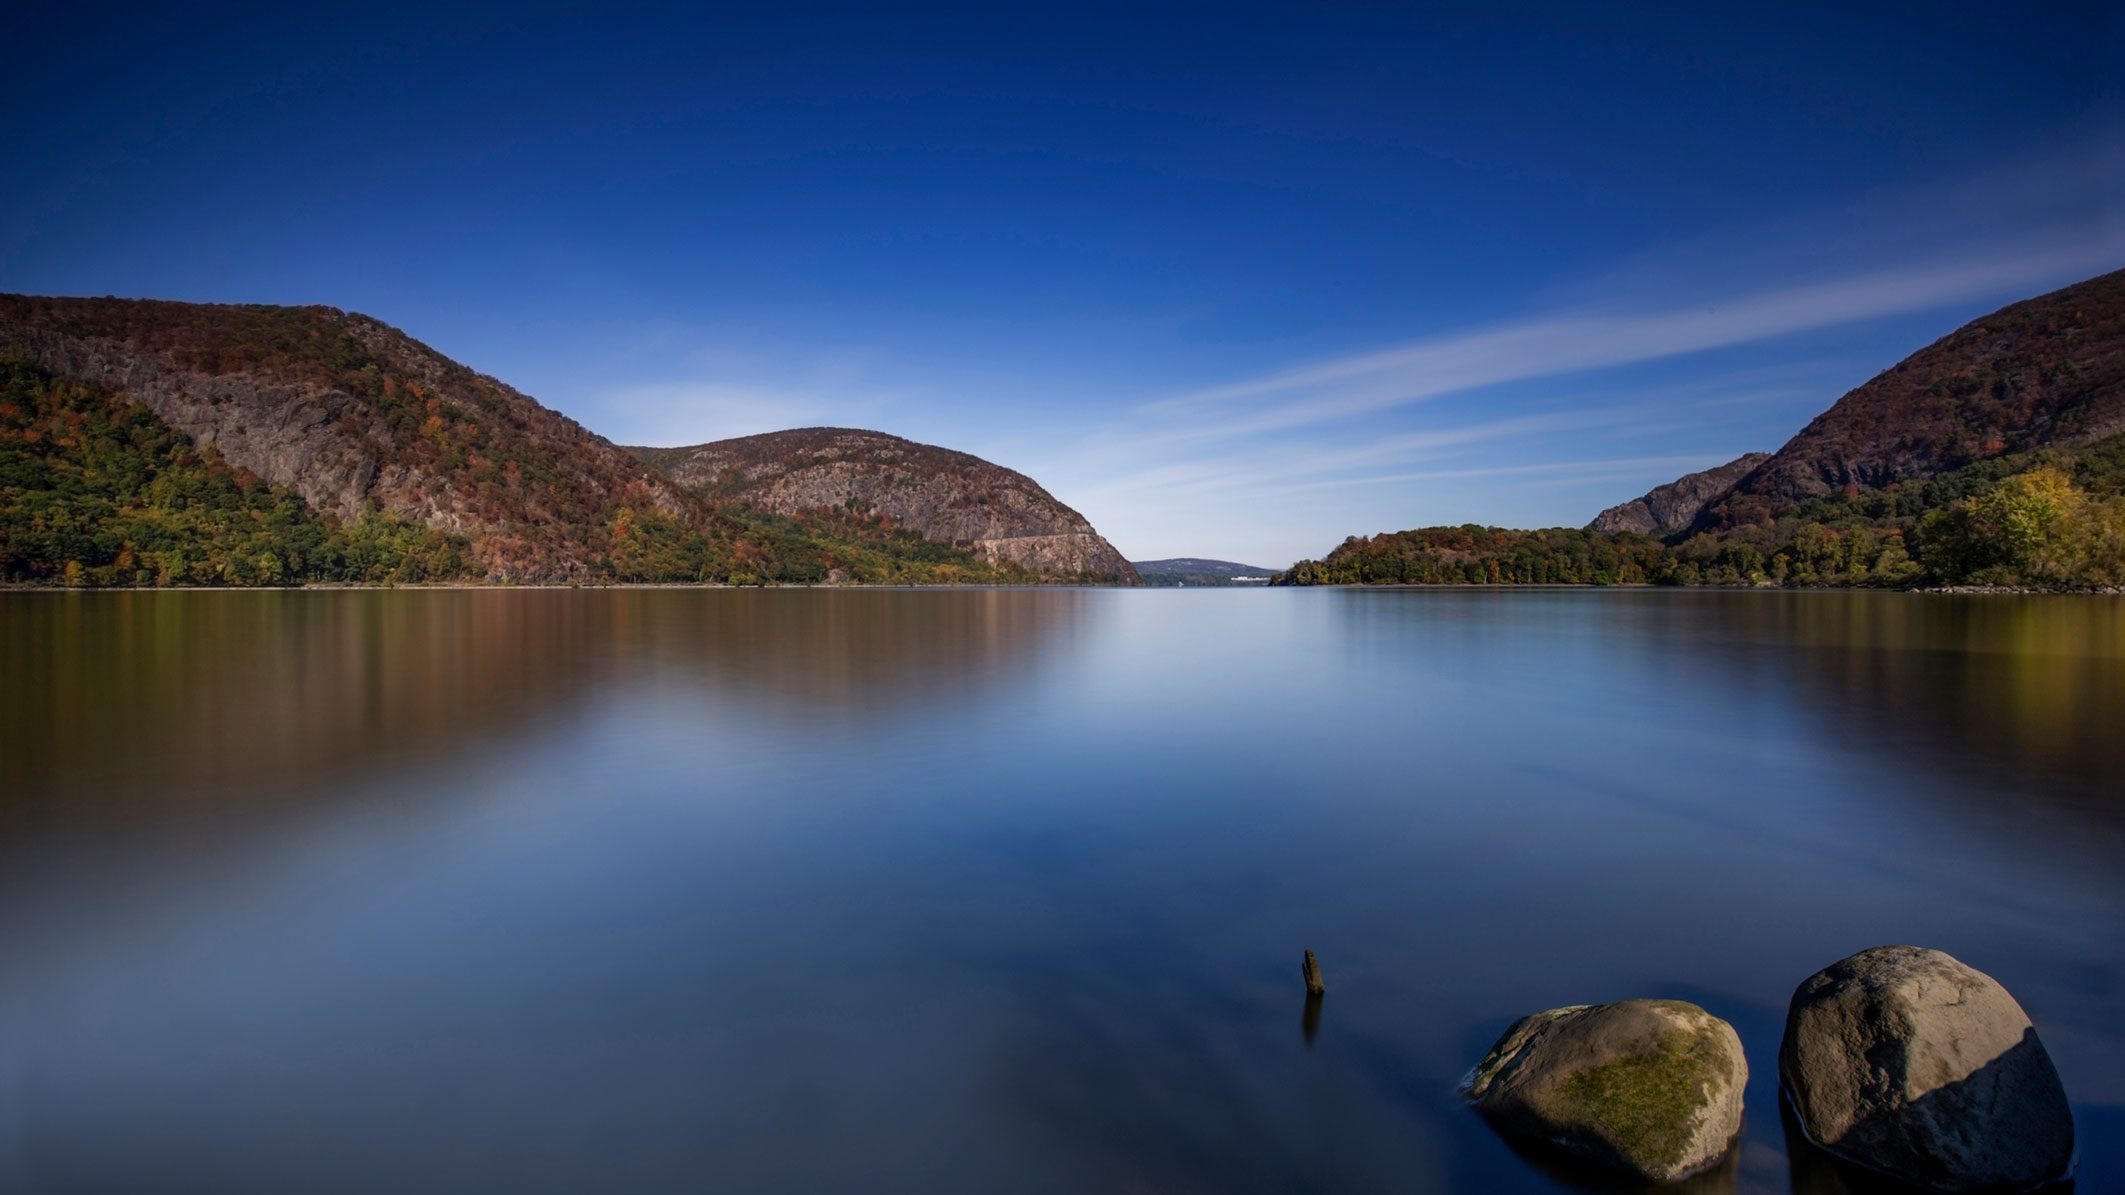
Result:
[95,489]
[352,415]
[2046,373]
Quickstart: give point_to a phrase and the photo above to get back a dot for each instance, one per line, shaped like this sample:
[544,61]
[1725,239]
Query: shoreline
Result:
[480,586]
[2021,590]
[508,587]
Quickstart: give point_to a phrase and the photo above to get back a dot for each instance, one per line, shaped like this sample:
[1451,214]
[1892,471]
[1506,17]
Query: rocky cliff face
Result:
[2049,371]
[1674,506]
[351,413]
[947,496]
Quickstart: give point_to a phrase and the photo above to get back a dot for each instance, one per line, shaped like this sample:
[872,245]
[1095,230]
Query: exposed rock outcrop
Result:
[320,442]
[946,496]
[350,413]
[1670,508]
[1651,1088]
[1909,1062]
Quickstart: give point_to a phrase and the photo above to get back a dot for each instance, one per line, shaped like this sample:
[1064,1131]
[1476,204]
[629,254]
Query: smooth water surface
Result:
[667,890]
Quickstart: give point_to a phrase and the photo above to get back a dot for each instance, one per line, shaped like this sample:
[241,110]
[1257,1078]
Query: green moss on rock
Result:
[1647,1105]
[1652,1087]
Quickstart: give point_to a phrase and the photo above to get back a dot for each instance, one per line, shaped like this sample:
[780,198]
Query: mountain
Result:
[1994,456]
[148,442]
[350,414]
[1673,507]
[1194,570]
[949,497]
[2047,372]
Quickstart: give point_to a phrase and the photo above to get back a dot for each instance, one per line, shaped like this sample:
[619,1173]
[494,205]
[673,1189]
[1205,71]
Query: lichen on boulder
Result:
[1651,1088]
[1907,1061]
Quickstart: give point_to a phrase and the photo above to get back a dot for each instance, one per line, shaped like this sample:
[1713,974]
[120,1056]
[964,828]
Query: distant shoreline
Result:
[1931,590]
[505,587]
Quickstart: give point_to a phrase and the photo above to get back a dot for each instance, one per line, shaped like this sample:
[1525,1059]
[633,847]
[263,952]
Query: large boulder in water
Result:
[1649,1087]
[1909,1062]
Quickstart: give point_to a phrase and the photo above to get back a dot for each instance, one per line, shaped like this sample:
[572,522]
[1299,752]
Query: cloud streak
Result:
[1567,343]
[1570,472]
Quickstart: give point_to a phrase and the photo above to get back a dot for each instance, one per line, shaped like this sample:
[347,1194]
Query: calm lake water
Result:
[664,890]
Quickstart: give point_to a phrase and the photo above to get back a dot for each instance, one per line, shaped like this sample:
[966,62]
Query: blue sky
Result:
[1233,280]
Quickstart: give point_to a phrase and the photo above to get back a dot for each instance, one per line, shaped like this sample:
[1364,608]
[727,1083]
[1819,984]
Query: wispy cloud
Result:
[2010,230]
[1286,462]
[1562,472]
[1264,465]
[1562,343]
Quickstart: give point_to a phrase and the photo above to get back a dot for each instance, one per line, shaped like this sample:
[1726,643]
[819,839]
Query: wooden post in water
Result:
[1311,969]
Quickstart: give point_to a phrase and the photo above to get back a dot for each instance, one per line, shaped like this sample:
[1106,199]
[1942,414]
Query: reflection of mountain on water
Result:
[847,654]
[2013,692]
[2020,692]
[125,707]
[149,706]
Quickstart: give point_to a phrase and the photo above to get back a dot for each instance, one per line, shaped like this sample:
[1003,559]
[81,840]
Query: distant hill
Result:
[1995,455]
[1673,507]
[146,442]
[1195,571]
[1001,516]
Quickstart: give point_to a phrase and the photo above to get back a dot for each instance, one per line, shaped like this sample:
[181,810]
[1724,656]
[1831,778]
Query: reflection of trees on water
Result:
[1978,693]
[155,705]
[148,706]
[842,654]
[2022,691]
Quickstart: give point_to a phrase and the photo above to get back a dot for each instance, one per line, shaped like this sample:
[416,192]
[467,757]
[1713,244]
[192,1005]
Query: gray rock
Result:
[1906,1061]
[1648,1087]
[1673,507]
[318,441]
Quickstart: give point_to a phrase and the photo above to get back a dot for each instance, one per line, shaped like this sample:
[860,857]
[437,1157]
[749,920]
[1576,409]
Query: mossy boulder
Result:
[1650,1088]
[1907,1061]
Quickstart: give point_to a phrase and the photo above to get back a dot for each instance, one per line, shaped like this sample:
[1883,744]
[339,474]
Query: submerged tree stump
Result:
[1311,969]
